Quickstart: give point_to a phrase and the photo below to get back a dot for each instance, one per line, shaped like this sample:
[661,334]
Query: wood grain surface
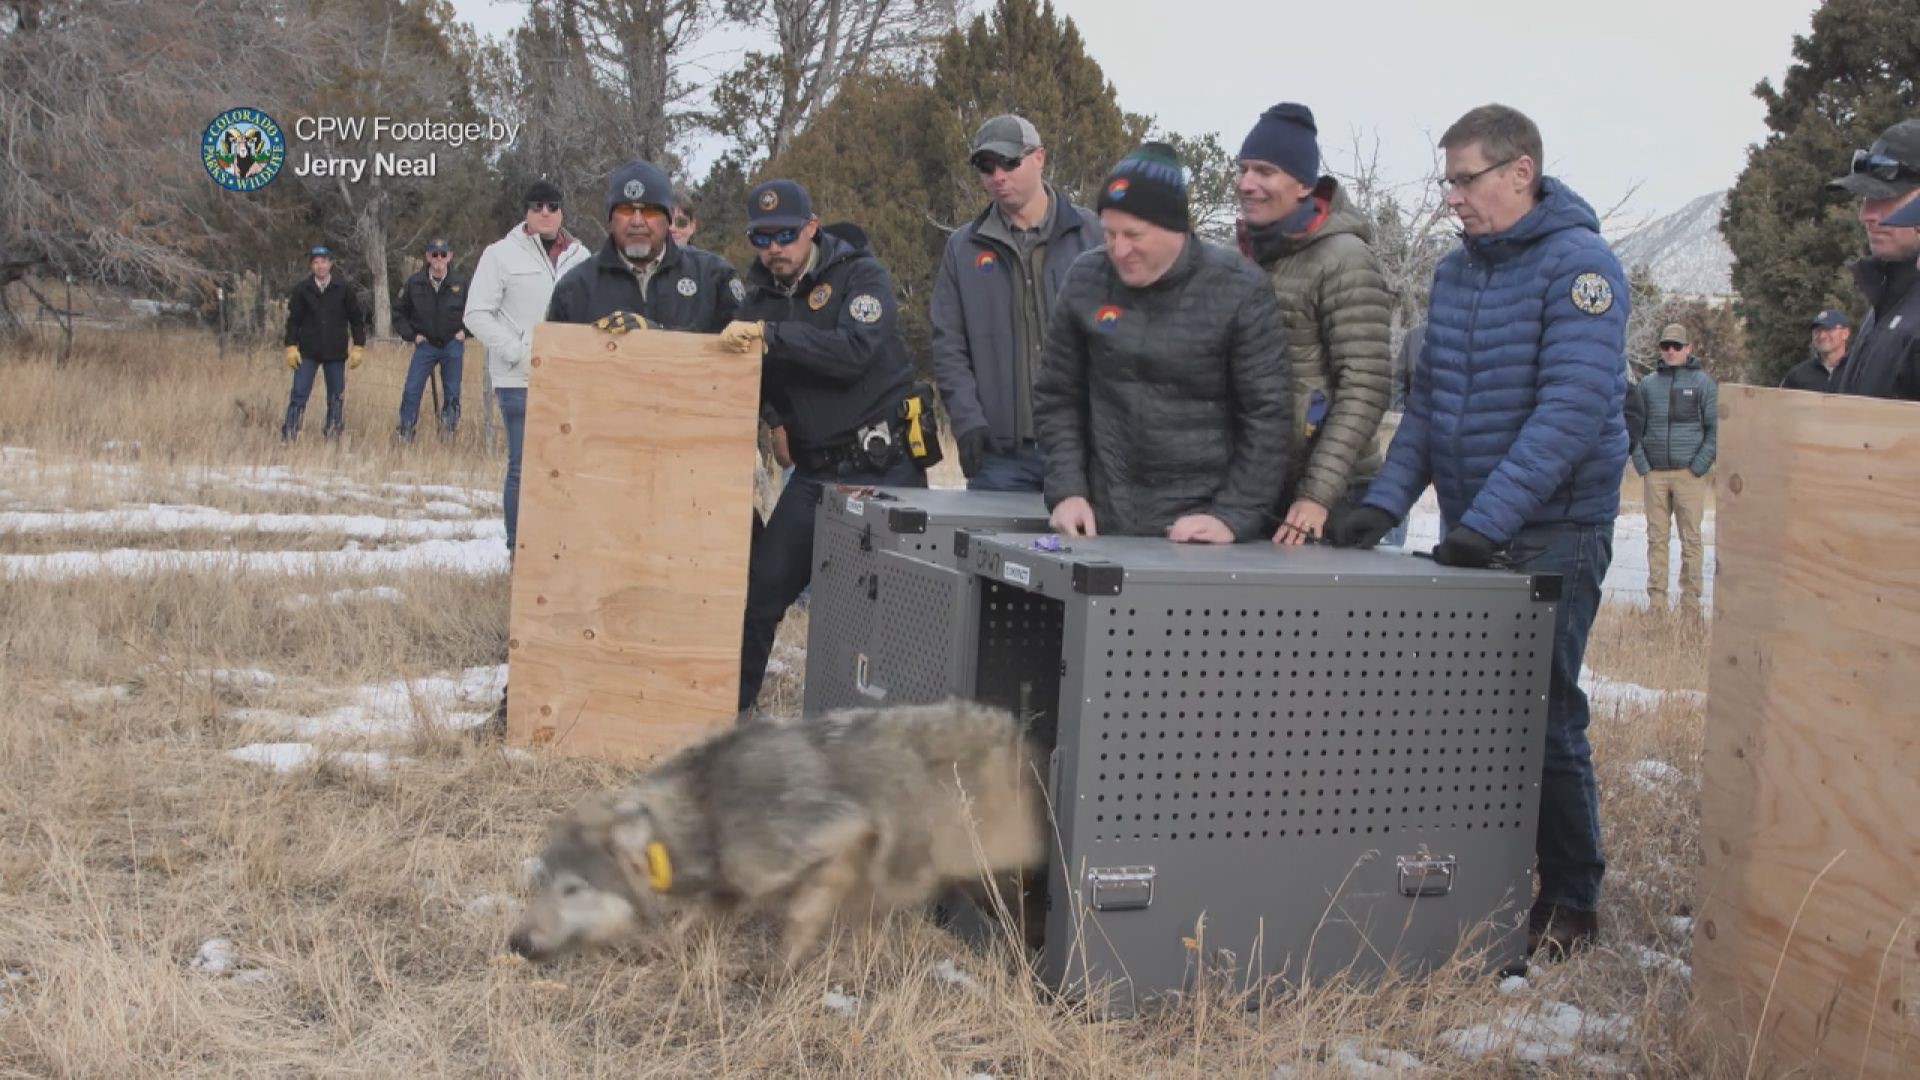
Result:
[636,500]
[1811,807]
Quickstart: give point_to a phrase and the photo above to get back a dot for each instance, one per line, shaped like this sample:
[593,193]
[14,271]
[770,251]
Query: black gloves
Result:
[1464,547]
[975,445]
[1361,527]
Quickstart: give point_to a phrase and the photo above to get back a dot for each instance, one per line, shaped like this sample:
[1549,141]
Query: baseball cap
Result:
[319,250]
[1907,217]
[438,247]
[778,204]
[1828,319]
[1008,135]
[1675,333]
[542,191]
[1889,168]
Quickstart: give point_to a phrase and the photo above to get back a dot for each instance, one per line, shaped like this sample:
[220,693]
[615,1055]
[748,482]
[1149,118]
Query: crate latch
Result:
[1121,888]
[1426,876]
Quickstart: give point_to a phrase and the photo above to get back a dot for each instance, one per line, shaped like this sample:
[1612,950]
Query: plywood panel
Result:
[636,498]
[1813,738]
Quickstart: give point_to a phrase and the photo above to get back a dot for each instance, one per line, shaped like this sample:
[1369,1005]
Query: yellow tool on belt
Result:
[916,435]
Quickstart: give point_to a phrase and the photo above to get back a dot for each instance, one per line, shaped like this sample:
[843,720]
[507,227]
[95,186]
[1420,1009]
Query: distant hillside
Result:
[1684,250]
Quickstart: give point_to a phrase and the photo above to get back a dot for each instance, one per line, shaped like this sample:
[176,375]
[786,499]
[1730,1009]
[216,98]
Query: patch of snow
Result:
[1655,960]
[480,555]
[288,756]
[234,678]
[216,957]
[1607,692]
[442,508]
[1352,1058]
[383,593]
[1513,984]
[1652,774]
[948,972]
[840,1004]
[1537,1036]
[1681,925]
[163,518]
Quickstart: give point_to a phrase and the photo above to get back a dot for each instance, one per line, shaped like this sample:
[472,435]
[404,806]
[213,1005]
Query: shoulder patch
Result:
[686,287]
[865,308]
[818,298]
[1593,294]
[739,291]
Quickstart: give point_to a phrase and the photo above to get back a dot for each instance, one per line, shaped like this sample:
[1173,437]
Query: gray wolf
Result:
[879,808]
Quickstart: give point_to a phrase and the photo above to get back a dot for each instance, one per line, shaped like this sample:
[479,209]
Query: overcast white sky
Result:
[1653,92]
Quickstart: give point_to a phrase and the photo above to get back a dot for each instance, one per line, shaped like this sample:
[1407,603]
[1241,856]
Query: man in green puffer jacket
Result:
[1675,450]
[1315,246]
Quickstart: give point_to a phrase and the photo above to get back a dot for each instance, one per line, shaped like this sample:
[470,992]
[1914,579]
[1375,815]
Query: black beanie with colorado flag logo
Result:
[1151,184]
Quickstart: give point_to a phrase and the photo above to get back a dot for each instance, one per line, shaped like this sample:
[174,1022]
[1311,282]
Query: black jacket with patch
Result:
[322,323]
[691,290]
[1884,361]
[835,359]
[436,313]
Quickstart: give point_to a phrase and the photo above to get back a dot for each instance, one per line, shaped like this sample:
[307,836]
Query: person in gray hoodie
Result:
[992,298]
[1676,448]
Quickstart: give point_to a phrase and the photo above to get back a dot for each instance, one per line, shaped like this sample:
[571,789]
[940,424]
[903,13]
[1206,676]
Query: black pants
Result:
[782,561]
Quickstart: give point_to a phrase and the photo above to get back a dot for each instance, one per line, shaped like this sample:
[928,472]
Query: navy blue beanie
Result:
[1286,136]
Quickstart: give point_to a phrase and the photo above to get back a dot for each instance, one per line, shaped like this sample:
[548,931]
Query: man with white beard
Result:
[641,277]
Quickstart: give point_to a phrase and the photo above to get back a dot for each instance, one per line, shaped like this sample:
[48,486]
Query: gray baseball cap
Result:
[1889,168]
[1009,136]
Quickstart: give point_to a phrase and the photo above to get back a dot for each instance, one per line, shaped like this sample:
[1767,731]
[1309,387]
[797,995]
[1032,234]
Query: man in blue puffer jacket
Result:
[1515,418]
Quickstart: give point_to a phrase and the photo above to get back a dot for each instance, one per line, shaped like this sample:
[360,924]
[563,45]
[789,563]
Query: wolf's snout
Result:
[521,942]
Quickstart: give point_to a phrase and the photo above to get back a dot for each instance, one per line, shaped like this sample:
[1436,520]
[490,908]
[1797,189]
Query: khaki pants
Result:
[1674,494]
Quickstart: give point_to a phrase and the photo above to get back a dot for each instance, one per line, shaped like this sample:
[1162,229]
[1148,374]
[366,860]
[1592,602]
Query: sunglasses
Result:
[549,207]
[988,164]
[683,223]
[1882,167]
[766,240]
[439,254]
[1668,346]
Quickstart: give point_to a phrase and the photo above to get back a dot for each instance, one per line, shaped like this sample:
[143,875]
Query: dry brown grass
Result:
[129,838]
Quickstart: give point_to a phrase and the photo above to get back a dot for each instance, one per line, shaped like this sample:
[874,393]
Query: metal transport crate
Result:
[889,614]
[1269,761]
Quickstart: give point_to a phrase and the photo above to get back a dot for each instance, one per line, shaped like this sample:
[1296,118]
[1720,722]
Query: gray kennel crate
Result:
[1270,762]
[889,614]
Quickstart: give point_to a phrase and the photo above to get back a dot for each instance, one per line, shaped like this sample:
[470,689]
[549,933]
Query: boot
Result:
[1560,931]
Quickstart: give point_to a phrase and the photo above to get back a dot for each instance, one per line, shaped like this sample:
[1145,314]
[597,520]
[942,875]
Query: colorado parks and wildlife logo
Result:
[243,149]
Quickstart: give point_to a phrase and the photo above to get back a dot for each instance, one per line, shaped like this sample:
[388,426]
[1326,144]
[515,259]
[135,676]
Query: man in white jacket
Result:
[508,295]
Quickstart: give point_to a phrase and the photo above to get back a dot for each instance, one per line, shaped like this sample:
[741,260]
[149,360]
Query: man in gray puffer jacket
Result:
[1164,401]
[1676,449]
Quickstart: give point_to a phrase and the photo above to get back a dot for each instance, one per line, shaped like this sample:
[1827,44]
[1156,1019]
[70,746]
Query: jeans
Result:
[335,372]
[513,417]
[1568,842]
[1025,469]
[427,356]
[782,561]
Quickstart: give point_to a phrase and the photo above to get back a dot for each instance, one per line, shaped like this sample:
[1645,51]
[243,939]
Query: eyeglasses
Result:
[1451,183]
[1670,346]
[549,207]
[439,254]
[988,164]
[1882,167]
[767,240]
[643,211]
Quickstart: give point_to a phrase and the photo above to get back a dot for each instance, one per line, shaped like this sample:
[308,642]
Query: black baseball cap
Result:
[778,204]
[1888,169]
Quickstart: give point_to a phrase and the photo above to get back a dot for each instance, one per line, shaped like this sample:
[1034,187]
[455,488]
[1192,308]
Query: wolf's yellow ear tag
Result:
[659,868]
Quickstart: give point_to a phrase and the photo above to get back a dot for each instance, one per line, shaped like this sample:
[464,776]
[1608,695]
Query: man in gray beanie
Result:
[641,277]
[1301,228]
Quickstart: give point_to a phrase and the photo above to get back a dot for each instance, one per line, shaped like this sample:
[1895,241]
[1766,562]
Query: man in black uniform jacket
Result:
[821,312]
[641,277]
